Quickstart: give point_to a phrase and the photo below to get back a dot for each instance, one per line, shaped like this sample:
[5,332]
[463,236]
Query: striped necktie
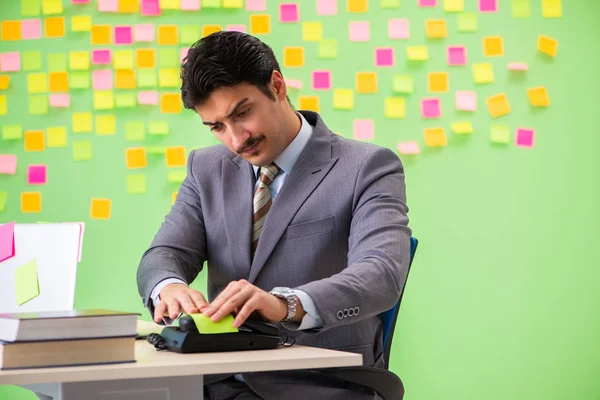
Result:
[262,201]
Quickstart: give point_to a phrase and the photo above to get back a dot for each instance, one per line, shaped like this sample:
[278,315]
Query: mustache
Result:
[249,143]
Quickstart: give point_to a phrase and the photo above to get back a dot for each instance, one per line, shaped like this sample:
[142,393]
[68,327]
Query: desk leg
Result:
[167,388]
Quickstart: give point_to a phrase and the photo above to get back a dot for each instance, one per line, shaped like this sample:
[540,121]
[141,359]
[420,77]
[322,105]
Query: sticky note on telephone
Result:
[206,326]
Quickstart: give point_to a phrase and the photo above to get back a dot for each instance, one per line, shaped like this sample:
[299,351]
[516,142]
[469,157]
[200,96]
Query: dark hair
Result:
[224,59]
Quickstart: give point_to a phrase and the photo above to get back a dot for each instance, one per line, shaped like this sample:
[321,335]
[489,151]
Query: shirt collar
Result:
[290,154]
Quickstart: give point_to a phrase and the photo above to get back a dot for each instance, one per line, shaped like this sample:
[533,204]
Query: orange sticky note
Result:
[366,82]
[4,82]
[538,96]
[438,82]
[125,79]
[145,58]
[170,103]
[260,24]
[11,30]
[168,35]
[175,156]
[59,82]
[34,141]
[129,6]
[293,56]
[547,45]
[100,208]
[173,197]
[31,202]
[135,157]
[54,27]
[493,46]
[208,29]
[357,6]
[435,137]
[310,103]
[436,28]
[498,105]
[100,35]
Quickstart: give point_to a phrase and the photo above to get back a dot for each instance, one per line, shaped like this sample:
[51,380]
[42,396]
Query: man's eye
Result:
[244,113]
[216,128]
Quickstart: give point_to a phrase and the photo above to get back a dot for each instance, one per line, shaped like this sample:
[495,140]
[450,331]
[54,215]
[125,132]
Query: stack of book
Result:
[66,338]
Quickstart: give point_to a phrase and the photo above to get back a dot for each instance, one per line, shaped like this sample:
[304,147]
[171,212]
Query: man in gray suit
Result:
[297,225]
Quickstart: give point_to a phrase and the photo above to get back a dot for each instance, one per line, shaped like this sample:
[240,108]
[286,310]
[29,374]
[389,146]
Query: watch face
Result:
[284,291]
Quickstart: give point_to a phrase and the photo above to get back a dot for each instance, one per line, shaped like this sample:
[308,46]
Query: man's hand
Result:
[243,299]
[176,298]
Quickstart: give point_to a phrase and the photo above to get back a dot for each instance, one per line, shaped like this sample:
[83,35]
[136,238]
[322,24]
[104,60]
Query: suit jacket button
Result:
[345,312]
[340,315]
[351,312]
[356,310]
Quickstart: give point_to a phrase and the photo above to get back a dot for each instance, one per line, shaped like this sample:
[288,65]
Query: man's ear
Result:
[278,86]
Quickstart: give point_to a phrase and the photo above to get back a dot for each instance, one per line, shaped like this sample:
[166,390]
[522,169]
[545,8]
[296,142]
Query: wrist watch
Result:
[289,295]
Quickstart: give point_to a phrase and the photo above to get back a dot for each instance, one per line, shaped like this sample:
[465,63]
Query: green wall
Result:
[501,302]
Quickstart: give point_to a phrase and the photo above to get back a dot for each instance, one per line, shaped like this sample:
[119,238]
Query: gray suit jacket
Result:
[337,230]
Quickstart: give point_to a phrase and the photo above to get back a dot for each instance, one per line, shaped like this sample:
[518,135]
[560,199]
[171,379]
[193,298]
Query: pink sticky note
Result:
[236,28]
[457,55]
[427,3]
[190,5]
[123,35]
[363,129]
[321,80]
[398,28]
[80,1]
[359,31]
[8,164]
[108,5]
[408,148]
[288,12]
[430,108]
[36,174]
[384,57]
[256,5]
[60,100]
[102,79]
[326,7]
[524,137]
[143,32]
[10,62]
[101,57]
[488,5]
[517,66]
[466,100]
[31,29]
[150,8]
[7,241]
[183,52]
[294,83]
[148,97]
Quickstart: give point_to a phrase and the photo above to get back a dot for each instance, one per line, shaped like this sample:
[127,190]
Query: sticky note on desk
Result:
[7,241]
[206,326]
[26,282]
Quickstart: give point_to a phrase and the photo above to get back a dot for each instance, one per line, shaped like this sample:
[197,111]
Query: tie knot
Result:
[268,173]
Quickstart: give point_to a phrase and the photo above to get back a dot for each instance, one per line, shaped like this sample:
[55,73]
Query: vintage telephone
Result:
[185,338]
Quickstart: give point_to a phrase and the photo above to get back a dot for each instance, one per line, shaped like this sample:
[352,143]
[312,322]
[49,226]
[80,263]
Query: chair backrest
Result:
[389,317]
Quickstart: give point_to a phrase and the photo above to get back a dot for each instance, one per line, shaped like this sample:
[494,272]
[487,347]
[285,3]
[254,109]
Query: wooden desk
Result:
[163,375]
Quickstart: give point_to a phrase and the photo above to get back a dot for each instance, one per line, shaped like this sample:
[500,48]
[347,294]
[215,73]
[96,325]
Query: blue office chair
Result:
[386,383]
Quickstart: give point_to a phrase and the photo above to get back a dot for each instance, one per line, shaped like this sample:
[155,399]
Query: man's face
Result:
[248,122]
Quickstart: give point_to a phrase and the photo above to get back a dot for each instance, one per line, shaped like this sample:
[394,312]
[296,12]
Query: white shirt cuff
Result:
[311,319]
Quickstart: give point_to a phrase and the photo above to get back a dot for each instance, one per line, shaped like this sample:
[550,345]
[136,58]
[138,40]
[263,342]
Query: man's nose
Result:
[239,136]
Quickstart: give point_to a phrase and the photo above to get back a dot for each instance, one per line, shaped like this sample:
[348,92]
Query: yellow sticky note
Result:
[79,60]
[54,27]
[27,284]
[454,5]
[50,7]
[312,31]
[170,103]
[293,56]
[10,30]
[233,3]
[145,58]
[34,141]
[82,122]
[57,136]
[209,29]
[172,4]
[135,157]
[59,82]
[343,99]
[435,137]
[82,150]
[357,6]
[125,79]
[436,28]
[395,107]
[498,105]
[462,127]
[106,124]
[310,103]
[81,23]
[260,24]
[100,35]
[483,73]
[175,156]
[173,197]
[206,326]
[538,96]
[169,77]
[129,6]
[31,202]
[123,59]
[547,45]
[104,100]
[552,8]
[37,83]
[417,53]
[366,82]
[100,208]
[4,82]
[493,46]
[3,105]
[438,82]
[168,35]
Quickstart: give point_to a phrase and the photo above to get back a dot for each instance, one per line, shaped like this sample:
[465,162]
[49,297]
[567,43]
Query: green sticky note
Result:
[57,62]
[27,285]
[156,150]
[403,84]
[176,176]
[3,200]
[136,184]
[12,132]
[134,131]
[521,8]
[327,49]
[211,3]
[158,128]
[169,57]
[38,104]
[189,34]
[125,100]
[206,326]
[467,22]
[500,134]
[146,78]
[32,60]
[82,150]
[389,3]
[79,80]
[31,8]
